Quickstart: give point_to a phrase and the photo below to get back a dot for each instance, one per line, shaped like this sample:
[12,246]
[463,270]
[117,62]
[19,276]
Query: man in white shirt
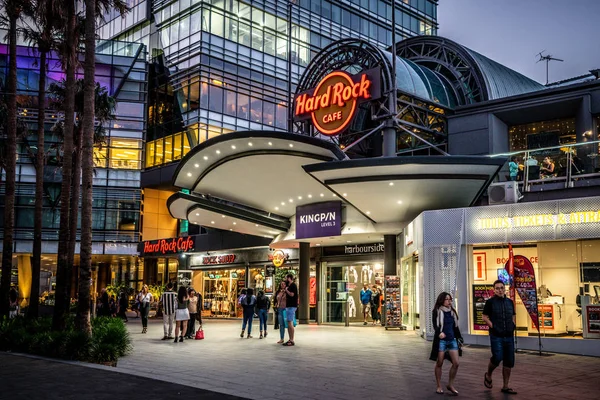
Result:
[169,302]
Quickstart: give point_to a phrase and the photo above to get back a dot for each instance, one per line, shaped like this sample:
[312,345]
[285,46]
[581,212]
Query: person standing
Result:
[193,309]
[280,303]
[262,306]
[182,315]
[375,304]
[13,303]
[104,304]
[169,304]
[145,298]
[513,168]
[365,300]
[445,339]
[499,315]
[248,303]
[123,303]
[291,305]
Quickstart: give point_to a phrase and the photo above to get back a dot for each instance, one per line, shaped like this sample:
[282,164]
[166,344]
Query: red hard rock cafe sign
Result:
[334,102]
[169,246]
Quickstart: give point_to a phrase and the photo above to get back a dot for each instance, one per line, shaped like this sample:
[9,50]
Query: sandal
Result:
[486,381]
[439,391]
[280,342]
[289,343]
[508,391]
[453,391]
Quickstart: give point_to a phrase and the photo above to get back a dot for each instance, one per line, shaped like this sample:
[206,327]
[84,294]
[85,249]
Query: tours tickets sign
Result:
[334,102]
[167,246]
[524,279]
[319,220]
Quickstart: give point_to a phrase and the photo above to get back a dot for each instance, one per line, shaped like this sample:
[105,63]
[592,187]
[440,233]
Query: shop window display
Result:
[220,290]
[566,275]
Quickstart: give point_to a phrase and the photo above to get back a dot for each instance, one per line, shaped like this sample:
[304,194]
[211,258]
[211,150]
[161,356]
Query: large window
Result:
[565,272]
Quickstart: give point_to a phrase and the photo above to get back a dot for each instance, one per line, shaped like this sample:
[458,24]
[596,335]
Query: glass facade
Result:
[221,65]
[122,70]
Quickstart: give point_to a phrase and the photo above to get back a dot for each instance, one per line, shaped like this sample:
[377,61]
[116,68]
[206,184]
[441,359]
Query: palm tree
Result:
[13,9]
[39,30]
[94,9]
[68,48]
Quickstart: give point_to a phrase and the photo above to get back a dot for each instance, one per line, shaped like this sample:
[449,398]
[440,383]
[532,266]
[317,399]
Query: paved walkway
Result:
[33,378]
[334,362]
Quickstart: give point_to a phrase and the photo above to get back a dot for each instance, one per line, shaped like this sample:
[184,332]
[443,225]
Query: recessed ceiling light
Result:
[250,144]
[291,200]
[189,174]
[255,224]
[345,194]
[212,222]
[368,212]
[218,151]
[348,241]
[270,144]
[197,214]
[222,216]
[230,229]
[310,196]
[391,183]
[233,146]
[276,208]
[299,197]
[235,223]
[283,203]
[197,165]
[334,195]
[205,157]
[322,195]
[399,201]
[291,145]
[318,244]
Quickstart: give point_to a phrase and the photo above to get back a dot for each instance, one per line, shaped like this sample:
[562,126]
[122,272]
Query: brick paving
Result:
[335,362]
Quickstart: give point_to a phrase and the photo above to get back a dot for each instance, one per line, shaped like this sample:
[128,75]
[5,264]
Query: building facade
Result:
[121,70]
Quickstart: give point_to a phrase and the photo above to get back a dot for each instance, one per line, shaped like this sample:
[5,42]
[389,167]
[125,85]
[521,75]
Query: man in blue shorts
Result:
[291,303]
[499,315]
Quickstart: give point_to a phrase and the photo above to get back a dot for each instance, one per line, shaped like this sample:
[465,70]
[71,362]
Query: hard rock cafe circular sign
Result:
[333,103]
[278,258]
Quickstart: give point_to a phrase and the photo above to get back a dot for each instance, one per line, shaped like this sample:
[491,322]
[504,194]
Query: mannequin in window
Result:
[367,273]
[351,307]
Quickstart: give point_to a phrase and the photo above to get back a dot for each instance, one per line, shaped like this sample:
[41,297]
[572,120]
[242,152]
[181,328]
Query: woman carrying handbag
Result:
[446,340]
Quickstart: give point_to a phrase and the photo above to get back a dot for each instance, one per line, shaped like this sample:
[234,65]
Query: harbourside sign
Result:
[319,220]
[334,102]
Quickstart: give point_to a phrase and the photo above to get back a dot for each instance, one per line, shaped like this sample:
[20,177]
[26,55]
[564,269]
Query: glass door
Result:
[409,292]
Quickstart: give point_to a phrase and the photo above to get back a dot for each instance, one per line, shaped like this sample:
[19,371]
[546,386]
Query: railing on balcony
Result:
[557,167]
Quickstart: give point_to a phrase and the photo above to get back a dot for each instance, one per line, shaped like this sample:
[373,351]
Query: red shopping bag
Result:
[200,334]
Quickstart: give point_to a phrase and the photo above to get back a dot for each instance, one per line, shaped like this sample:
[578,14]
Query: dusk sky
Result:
[513,32]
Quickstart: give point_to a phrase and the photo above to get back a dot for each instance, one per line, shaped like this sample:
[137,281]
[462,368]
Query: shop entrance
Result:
[409,293]
[343,283]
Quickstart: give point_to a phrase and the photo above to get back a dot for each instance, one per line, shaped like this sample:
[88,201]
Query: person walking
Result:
[280,303]
[291,305]
[445,339]
[499,315]
[169,304]
[263,304]
[145,298]
[248,303]
[13,303]
[365,300]
[104,308]
[193,309]
[182,315]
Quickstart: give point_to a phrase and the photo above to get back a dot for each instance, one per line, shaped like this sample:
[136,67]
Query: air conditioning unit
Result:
[503,193]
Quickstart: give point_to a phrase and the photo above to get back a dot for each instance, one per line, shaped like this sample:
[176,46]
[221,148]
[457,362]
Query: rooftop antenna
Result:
[547,58]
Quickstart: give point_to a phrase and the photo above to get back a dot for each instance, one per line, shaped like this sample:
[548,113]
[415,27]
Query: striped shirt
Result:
[169,301]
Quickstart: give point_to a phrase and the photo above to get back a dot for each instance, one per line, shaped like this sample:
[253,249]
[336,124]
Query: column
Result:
[24,281]
[389,255]
[304,283]
[389,140]
[585,131]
